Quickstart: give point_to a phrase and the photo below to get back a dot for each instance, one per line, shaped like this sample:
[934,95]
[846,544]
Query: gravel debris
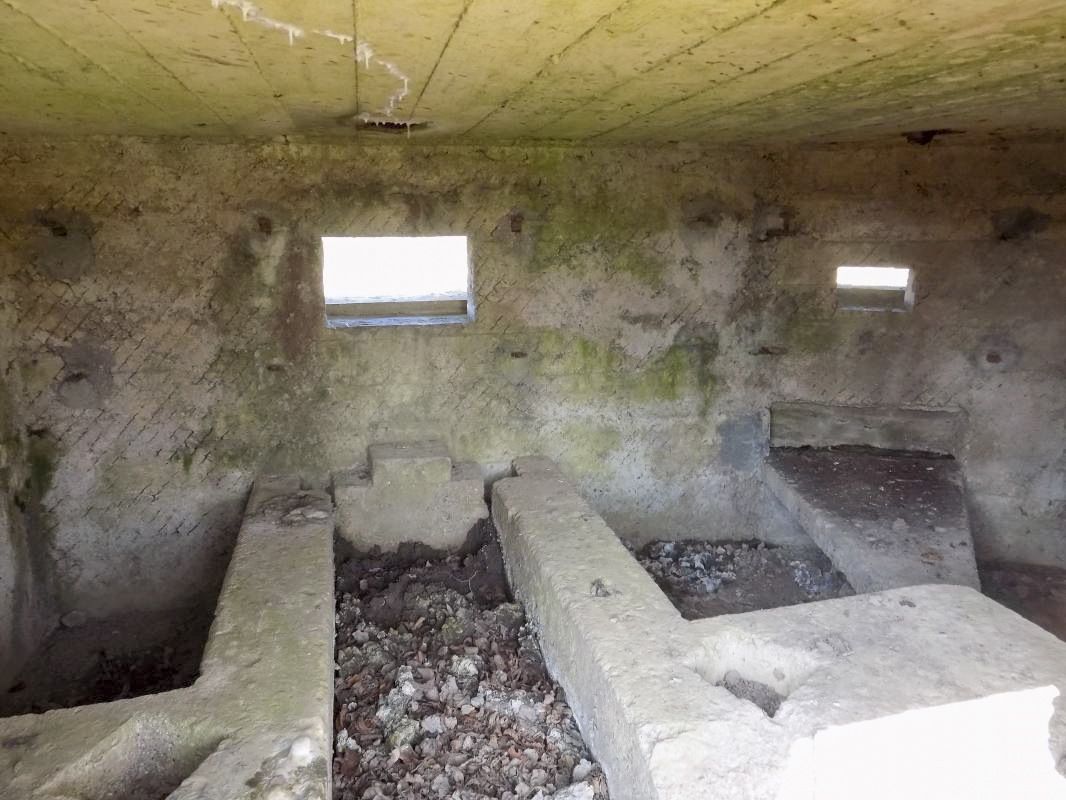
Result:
[706,579]
[441,690]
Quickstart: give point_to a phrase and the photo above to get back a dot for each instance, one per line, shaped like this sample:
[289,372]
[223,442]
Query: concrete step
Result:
[885,520]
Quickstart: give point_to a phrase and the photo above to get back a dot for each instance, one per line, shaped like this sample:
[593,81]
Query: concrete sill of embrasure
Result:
[926,691]
[258,721]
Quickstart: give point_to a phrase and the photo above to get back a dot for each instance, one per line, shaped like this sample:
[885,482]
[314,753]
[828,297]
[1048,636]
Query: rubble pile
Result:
[441,690]
[705,579]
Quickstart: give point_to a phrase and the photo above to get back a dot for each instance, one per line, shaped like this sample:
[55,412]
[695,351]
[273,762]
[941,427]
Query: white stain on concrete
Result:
[250,12]
[343,38]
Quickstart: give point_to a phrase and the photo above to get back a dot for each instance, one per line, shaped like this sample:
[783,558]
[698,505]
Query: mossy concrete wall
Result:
[637,312]
[26,611]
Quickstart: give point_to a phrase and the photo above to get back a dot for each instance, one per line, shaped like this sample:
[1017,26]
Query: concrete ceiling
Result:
[596,71]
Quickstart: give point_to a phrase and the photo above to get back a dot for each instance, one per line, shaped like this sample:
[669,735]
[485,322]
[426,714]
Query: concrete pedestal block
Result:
[922,692]
[407,463]
[413,494]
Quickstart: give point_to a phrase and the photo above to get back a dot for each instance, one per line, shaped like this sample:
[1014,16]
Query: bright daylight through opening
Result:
[376,269]
[873,277]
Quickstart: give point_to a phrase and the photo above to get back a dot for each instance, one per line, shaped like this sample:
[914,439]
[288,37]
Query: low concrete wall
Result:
[257,723]
[924,692]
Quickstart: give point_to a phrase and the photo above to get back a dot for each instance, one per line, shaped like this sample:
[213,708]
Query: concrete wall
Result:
[638,310]
[26,611]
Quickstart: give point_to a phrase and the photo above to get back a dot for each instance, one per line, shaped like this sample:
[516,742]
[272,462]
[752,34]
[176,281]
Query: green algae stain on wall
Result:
[811,330]
[583,228]
[593,372]
[588,448]
[275,418]
[698,351]
[584,235]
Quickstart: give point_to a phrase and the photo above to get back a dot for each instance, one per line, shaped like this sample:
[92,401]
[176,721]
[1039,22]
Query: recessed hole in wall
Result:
[993,357]
[770,350]
[264,224]
[927,136]
[396,280]
[874,288]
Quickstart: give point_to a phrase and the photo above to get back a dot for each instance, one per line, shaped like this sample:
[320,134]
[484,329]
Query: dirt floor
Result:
[1037,593]
[103,660]
[706,579]
[441,689]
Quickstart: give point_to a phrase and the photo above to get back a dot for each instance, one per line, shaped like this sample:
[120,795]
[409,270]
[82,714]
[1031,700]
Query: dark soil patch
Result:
[441,690]
[706,579]
[1037,593]
[103,660]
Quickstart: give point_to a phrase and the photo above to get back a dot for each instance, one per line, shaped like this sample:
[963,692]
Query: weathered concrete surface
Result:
[638,309]
[614,642]
[740,71]
[885,521]
[926,692]
[413,494]
[27,612]
[258,721]
[817,425]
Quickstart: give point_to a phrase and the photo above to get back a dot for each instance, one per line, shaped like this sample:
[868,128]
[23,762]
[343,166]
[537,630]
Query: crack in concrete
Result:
[364,52]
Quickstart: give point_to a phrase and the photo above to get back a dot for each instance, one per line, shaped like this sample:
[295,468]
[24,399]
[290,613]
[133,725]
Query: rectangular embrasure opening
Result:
[866,288]
[396,280]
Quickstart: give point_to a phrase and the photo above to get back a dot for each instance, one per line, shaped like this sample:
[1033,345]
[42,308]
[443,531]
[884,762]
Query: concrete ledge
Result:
[908,693]
[258,721]
[884,520]
[817,425]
